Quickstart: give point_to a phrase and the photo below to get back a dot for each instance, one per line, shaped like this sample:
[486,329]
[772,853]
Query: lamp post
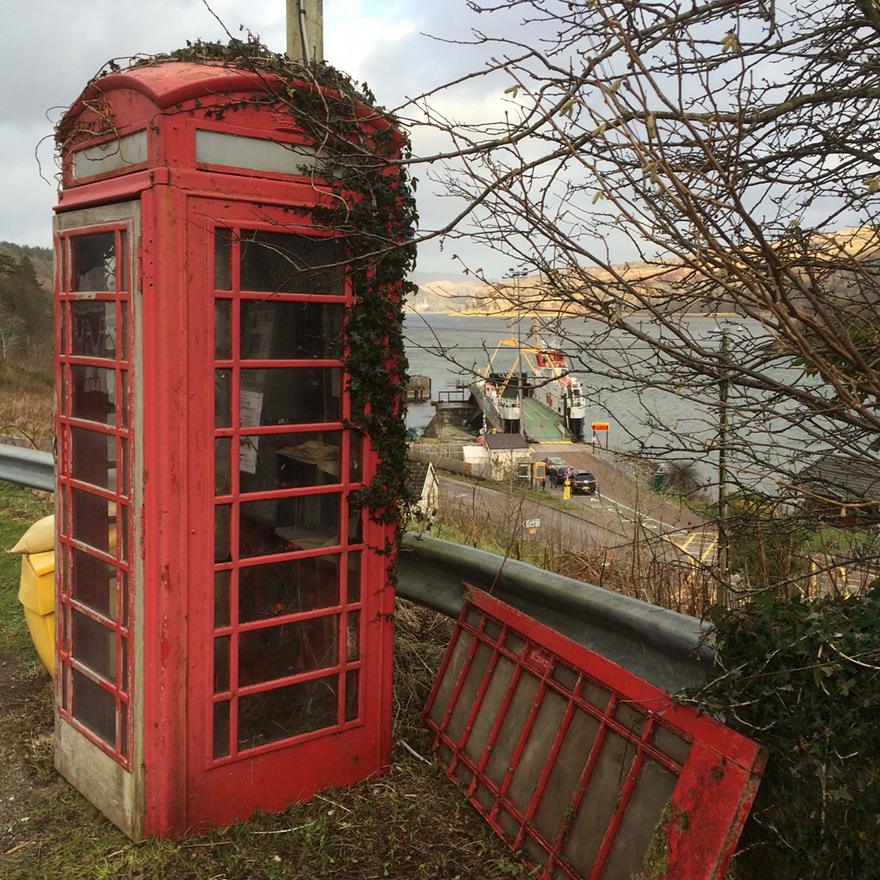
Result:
[517,275]
[723,443]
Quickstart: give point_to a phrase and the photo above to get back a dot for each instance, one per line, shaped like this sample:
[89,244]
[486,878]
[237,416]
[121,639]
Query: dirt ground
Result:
[26,774]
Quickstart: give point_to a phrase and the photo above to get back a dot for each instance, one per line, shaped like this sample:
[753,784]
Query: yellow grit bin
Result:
[36,590]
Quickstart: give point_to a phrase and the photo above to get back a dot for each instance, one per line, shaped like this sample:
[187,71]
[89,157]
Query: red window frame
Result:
[717,773]
[121,557]
[345,611]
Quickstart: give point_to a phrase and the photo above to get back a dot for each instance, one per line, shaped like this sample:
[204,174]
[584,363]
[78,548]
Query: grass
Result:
[20,508]
[26,402]
[411,823]
[643,568]
[401,826]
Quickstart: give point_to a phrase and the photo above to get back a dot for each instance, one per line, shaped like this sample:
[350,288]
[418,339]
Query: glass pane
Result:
[63,309]
[93,583]
[355,458]
[222,517]
[651,794]
[289,461]
[288,587]
[123,594]
[290,331]
[537,748]
[222,580]
[354,576]
[630,718]
[123,531]
[288,649]
[65,687]
[123,409]
[63,247]
[123,664]
[565,774]
[351,695]
[671,744]
[489,708]
[94,328]
[222,475]
[259,154]
[599,802]
[222,398]
[465,699]
[94,707]
[450,679]
[93,645]
[511,727]
[594,694]
[221,664]
[124,279]
[123,729]
[93,458]
[287,711]
[94,520]
[353,638]
[94,262]
[286,524]
[93,393]
[122,470]
[222,259]
[290,396]
[222,329]
[123,329]
[131,149]
[280,263]
[355,526]
[221,729]
[566,676]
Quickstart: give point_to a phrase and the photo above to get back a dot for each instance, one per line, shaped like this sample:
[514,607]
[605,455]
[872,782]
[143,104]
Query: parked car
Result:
[584,483]
[557,469]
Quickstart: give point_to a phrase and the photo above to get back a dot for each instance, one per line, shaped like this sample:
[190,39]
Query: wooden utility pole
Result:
[305,30]
[723,542]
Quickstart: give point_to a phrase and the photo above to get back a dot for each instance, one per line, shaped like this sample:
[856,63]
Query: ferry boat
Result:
[555,386]
[499,400]
[539,377]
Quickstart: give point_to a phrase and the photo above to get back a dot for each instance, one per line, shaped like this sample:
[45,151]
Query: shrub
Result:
[803,678]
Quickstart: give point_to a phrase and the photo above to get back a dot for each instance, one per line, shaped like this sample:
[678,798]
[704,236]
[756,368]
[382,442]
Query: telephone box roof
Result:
[171,83]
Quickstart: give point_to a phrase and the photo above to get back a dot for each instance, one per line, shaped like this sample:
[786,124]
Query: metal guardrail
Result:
[668,649]
[27,467]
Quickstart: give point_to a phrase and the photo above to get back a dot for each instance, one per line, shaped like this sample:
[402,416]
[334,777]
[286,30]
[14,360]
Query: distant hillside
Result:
[41,257]
[663,287]
[26,323]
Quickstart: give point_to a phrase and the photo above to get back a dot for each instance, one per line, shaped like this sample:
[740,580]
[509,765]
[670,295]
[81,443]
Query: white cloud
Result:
[50,49]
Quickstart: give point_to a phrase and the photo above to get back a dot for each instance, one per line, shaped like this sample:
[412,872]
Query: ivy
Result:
[803,678]
[373,213]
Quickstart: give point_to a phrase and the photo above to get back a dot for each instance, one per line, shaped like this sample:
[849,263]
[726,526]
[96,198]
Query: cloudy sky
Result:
[50,48]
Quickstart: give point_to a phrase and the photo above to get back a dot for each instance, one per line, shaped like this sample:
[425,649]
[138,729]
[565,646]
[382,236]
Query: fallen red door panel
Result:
[582,767]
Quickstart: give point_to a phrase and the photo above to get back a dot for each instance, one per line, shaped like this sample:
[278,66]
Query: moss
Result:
[656,860]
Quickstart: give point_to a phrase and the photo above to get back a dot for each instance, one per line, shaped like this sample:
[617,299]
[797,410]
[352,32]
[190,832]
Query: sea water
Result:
[660,411]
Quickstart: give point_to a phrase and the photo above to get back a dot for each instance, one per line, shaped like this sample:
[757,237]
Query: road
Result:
[624,511]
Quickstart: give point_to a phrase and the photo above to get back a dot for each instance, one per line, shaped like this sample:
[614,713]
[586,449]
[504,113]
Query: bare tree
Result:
[657,161]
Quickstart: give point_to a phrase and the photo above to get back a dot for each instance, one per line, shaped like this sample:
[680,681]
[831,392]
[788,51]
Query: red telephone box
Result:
[224,642]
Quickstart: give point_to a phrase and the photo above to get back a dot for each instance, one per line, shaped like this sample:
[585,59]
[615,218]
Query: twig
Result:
[414,753]
[327,800]
[286,830]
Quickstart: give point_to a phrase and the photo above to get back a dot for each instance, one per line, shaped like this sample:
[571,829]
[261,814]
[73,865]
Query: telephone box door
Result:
[99,573]
[288,642]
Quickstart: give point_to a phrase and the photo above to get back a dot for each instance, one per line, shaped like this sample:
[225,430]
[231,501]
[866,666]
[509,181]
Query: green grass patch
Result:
[20,508]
